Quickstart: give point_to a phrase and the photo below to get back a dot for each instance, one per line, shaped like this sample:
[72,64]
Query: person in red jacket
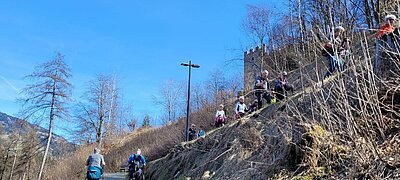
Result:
[387,27]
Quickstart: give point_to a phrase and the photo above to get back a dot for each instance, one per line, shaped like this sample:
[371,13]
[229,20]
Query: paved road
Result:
[114,176]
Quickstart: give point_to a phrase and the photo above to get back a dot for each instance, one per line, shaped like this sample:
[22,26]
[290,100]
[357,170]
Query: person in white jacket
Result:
[240,108]
[220,116]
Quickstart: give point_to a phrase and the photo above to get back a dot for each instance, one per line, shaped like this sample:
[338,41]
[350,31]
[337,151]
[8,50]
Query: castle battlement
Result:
[252,64]
[257,50]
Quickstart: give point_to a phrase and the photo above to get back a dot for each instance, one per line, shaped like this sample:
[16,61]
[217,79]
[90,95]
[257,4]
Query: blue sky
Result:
[143,42]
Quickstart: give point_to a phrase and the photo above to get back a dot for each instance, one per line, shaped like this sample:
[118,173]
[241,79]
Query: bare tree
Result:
[198,97]
[146,121]
[216,86]
[169,100]
[8,150]
[256,25]
[126,121]
[99,109]
[132,124]
[29,151]
[111,125]
[48,95]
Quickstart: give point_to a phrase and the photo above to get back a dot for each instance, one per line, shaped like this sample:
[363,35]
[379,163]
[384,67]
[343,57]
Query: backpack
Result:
[136,162]
[202,133]
[93,172]
[258,78]
[327,50]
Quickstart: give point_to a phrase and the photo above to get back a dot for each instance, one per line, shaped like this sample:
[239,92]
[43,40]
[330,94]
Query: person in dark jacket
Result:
[282,86]
[192,132]
[261,89]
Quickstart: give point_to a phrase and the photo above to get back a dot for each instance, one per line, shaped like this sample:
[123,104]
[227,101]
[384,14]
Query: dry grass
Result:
[346,127]
[357,120]
[71,167]
[154,143]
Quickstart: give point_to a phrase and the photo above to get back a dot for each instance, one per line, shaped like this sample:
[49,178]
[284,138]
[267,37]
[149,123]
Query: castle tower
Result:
[252,66]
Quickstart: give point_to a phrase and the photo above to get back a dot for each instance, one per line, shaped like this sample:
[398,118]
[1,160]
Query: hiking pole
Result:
[190,65]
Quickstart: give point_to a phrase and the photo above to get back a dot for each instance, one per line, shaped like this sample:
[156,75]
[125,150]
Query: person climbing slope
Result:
[388,27]
[282,86]
[261,89]
[220,116]
[240,108]
[333,49]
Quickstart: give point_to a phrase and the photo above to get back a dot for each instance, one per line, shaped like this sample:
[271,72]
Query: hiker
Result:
[333,49]
[95,163]
[220,116]
[136,164]
[261,89]
[240,108]
[253,106]
[387,28]
[345,53]
[202,133]
[192,132]
[282,86]
[387,46]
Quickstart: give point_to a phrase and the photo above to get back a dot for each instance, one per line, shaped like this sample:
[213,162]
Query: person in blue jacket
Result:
[136,164]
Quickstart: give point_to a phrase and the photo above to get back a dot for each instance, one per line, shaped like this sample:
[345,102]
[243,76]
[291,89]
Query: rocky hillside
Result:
[59,145]
[343,128]
[346,127]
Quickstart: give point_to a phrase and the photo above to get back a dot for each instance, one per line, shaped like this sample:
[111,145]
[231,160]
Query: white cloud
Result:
[7,90]
[9,84]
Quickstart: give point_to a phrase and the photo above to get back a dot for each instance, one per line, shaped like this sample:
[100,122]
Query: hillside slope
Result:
[59,145]
[340,130]
[235,151]
[344,128]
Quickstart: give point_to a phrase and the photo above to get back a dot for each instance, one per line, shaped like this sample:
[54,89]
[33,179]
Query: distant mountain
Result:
[59,145]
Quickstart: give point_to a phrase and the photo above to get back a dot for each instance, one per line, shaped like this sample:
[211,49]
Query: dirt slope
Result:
[253,148]
[320,134]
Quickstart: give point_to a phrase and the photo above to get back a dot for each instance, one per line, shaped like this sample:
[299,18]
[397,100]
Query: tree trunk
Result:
[50,129]
[99,133]
[376,9]
[109,132]
[301,26]
[13,165]
[367,10]
[262,54]
[27,169]
[5,164]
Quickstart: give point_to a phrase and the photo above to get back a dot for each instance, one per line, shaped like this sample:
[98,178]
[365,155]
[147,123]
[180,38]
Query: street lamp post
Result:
[190,65]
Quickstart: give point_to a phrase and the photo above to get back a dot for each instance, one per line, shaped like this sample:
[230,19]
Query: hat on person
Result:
[241,98]
[337,28]
[389,17]
[284,73]
[265,72]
